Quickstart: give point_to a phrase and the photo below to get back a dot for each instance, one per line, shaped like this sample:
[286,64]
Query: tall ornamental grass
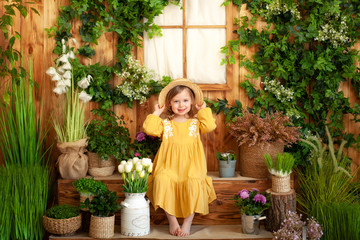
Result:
[24,195]
[338,220]
[21,134]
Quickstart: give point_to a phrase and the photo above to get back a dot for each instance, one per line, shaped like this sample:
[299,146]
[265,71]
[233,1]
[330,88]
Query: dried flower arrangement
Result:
[252,129]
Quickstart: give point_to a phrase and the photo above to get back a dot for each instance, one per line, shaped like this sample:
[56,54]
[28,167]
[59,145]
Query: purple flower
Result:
[140,136]
[260,198]
[243,193]
[254,189]
[137,154]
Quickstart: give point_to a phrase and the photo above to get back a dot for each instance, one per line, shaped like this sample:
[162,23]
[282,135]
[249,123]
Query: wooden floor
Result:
[205,232]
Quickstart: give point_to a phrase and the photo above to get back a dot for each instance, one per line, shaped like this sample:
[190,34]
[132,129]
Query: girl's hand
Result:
[158,111]
[200,107]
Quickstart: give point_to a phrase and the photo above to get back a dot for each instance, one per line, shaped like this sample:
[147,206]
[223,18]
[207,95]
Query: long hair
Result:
[172,93]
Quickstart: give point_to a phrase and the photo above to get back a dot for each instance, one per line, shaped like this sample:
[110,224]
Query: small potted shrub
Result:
[62,220]
[88,188]
[108,141]
[227,163]
[102,208]
[280,171]
[257,135]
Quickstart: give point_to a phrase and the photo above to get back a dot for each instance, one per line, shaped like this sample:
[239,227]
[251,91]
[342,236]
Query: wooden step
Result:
[222,210]
[219,232]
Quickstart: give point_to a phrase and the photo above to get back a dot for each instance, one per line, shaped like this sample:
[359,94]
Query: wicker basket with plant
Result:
[62,220]
[88,188]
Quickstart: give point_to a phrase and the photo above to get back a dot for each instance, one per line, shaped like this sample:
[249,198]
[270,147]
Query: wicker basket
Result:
[280,184]
[83,198]
[66,226]
[252,162]
[102,227]
[99,167]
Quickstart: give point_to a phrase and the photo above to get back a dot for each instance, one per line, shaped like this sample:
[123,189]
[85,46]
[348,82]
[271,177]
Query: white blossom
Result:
[51,71]
[84,82]
[60,90]
[121,168]
[83,96]
[67,75]
[67,66]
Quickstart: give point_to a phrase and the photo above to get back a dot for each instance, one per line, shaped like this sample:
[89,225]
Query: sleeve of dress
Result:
[153,125]
[206,120]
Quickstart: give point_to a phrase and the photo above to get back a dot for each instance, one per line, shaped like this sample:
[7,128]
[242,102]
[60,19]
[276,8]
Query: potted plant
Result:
[102,208]
[251,204]
[108,141]
[227,163]
[280,171]
[258,135]
[62,220]
[70,128]
[88,188]
[145,146]
[135,173]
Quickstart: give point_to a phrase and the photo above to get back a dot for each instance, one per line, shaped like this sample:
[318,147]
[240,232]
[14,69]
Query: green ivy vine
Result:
[128,20]
[304,53]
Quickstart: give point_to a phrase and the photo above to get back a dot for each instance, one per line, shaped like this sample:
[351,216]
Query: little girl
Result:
[179,183]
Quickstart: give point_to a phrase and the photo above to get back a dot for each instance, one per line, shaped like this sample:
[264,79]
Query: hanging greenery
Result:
[304,53]
[128,20]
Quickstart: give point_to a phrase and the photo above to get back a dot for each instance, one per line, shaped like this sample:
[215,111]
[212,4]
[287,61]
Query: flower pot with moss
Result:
[62,220]
[108,141]
[102,208]
[88,188]
[257,135]
[227,164]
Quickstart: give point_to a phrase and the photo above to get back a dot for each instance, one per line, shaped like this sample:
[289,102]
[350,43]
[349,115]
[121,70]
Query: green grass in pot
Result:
[225,156]
[88,186]
[104,204]
[108,136]
[284,162]
[62,211]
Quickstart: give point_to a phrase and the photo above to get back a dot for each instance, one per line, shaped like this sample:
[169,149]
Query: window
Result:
[191,43]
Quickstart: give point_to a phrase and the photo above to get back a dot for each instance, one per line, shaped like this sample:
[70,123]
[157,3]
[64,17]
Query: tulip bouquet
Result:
[72,127]
[135,173]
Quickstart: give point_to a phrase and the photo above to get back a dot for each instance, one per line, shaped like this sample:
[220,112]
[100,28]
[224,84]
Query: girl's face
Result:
[181,103]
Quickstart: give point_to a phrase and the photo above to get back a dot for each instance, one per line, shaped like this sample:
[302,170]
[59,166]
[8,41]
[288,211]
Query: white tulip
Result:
[67,75]
[150,169]
[139,167]
[83,96]
[135,160]
[59,90]
[123,162]
[121,168]
[142,174]
[128,168]
[51,71]
[84,83]
[146,161]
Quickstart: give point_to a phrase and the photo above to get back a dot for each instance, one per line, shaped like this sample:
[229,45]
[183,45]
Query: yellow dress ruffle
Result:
[179,183]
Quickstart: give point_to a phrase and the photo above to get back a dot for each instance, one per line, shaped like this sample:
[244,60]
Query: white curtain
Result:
[165,54]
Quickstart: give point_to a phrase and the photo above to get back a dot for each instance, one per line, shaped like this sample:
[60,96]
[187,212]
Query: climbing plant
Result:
[304,53]
[128,20]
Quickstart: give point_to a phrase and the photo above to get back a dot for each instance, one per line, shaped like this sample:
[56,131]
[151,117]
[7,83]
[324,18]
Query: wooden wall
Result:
[37,46]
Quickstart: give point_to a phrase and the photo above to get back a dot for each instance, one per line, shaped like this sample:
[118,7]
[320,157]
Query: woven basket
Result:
[280,184]
[83,198]
[66,226]
[252,163]
[102,227]
[99,167]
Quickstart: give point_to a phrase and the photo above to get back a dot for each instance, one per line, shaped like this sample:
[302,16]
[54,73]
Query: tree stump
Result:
[281,203]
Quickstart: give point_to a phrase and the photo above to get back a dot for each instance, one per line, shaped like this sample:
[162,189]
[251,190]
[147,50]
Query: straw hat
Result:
[199,99]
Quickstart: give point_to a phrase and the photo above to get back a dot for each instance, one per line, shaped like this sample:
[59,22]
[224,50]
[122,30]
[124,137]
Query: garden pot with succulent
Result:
[102,208]
[257,136]
[227,163]
[62,220]
[108,141]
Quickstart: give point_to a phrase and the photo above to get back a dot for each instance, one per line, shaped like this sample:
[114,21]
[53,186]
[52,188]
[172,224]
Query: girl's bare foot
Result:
[174,227]
[186,226]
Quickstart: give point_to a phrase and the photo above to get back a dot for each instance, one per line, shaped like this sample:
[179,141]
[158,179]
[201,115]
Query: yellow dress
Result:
[178,183]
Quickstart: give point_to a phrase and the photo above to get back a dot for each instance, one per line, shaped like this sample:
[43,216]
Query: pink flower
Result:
[137,154]
[260,198]
[254,189]
[140,136]
[243,193]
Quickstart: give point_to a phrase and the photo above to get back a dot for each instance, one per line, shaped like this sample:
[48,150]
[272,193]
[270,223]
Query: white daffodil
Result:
[121,168]
[67,75]
[59,90]
[83,96]
[142,174]
[51,71]
[139,167]
[84,83]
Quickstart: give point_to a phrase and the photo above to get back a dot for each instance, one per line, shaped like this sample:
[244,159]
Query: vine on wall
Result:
[303,55]
[128,20]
